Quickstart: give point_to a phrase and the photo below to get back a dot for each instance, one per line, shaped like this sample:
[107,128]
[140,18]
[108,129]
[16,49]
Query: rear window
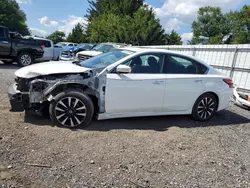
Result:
[2,33]
[46,43]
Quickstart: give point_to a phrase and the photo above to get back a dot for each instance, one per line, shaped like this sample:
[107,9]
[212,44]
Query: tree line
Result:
[122,21]
[134,22]
[214,27]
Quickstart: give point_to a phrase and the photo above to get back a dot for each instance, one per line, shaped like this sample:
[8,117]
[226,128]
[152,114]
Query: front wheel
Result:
[205,107]
[71,109]
[24,59]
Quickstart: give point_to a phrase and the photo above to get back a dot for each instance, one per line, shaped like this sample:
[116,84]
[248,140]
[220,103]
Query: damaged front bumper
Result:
[241,99]
[15,98]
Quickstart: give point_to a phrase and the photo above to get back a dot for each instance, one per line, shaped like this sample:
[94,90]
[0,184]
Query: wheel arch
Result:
[80,88]
[213,93]
[26,50]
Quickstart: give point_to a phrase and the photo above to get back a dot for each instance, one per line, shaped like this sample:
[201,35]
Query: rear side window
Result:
[2,35]
[46,43]
[175,64]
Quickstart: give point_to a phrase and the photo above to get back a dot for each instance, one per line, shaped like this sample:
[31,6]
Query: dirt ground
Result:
[171,151]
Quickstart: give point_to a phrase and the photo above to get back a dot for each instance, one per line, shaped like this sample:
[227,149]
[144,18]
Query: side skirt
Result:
[104,116]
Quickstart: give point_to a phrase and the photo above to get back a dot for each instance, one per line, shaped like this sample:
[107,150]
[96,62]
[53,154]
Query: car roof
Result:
[139,49]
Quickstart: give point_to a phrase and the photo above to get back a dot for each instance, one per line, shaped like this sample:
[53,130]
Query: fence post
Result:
[234,62]
[194,51]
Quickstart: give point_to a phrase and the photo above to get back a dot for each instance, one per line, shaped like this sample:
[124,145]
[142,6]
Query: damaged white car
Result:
[129,82]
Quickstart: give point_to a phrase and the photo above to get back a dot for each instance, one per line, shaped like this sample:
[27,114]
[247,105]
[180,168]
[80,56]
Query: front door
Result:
[141,91]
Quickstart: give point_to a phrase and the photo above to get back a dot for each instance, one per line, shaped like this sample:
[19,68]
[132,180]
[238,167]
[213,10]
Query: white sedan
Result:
[129,82]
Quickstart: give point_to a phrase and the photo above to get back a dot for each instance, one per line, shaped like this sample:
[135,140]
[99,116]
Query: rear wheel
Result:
[24,59]
[205,107]
[71,109]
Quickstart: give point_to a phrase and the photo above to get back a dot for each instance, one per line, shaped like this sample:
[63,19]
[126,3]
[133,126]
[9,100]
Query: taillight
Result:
[229,82]
[42,46]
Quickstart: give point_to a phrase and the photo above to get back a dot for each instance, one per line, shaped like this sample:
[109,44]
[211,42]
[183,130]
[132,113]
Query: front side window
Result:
[146,64]
[175,64]
[70,45]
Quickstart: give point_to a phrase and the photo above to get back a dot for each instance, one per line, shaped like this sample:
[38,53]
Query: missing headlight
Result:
[39,86]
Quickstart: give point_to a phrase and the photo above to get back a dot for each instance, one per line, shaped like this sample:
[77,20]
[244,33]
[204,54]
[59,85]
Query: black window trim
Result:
[141,54]
[197,63]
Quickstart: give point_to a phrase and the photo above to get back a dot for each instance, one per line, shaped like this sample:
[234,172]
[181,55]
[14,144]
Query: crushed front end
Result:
[32,94]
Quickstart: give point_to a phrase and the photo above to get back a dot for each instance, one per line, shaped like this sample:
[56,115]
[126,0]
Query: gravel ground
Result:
[171,151]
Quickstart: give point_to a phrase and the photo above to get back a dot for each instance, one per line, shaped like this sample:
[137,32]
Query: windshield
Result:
[104,60]
[103,48]
[60,44]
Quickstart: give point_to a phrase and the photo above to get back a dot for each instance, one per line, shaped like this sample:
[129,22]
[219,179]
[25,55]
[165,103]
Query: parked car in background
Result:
[51,52]
[98,49]
[64,44]
[68,53]
[14,47]
[129,82]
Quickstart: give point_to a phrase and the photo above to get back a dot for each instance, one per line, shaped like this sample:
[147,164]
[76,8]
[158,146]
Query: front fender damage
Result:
[44,89]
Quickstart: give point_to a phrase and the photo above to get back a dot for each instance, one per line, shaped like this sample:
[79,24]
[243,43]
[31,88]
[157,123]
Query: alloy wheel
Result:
[206,107]
[70,111]
[26,59]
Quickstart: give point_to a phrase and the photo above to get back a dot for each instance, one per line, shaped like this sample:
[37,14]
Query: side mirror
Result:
[123,69]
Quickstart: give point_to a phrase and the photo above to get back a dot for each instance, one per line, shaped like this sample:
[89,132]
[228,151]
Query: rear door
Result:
[185,82]
[5,43]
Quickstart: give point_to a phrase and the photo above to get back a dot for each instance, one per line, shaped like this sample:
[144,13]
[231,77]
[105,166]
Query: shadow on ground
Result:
[9,66]
[159,123]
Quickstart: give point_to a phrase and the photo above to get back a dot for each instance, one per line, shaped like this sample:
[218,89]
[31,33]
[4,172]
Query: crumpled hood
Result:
[90,53]
[52,67]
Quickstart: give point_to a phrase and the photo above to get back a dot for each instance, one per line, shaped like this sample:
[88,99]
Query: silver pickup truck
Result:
[51,51]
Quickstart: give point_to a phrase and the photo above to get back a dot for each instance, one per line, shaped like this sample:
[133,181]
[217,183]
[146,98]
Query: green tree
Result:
[57,36]
[211,24]
[137,26]
[121,7]
[239,23]
[78,34]
[146,28]
[173,38]
[12,17]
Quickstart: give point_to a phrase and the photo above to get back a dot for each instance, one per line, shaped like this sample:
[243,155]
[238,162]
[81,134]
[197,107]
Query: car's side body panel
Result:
[182,91]
[134,93]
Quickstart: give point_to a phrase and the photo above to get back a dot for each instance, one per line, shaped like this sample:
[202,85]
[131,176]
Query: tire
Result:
[205,107]
[24,59]
[64,113]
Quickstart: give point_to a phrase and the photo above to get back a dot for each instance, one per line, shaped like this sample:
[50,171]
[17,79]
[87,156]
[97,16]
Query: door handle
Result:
[158,82]
[198,81]
[5,42]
